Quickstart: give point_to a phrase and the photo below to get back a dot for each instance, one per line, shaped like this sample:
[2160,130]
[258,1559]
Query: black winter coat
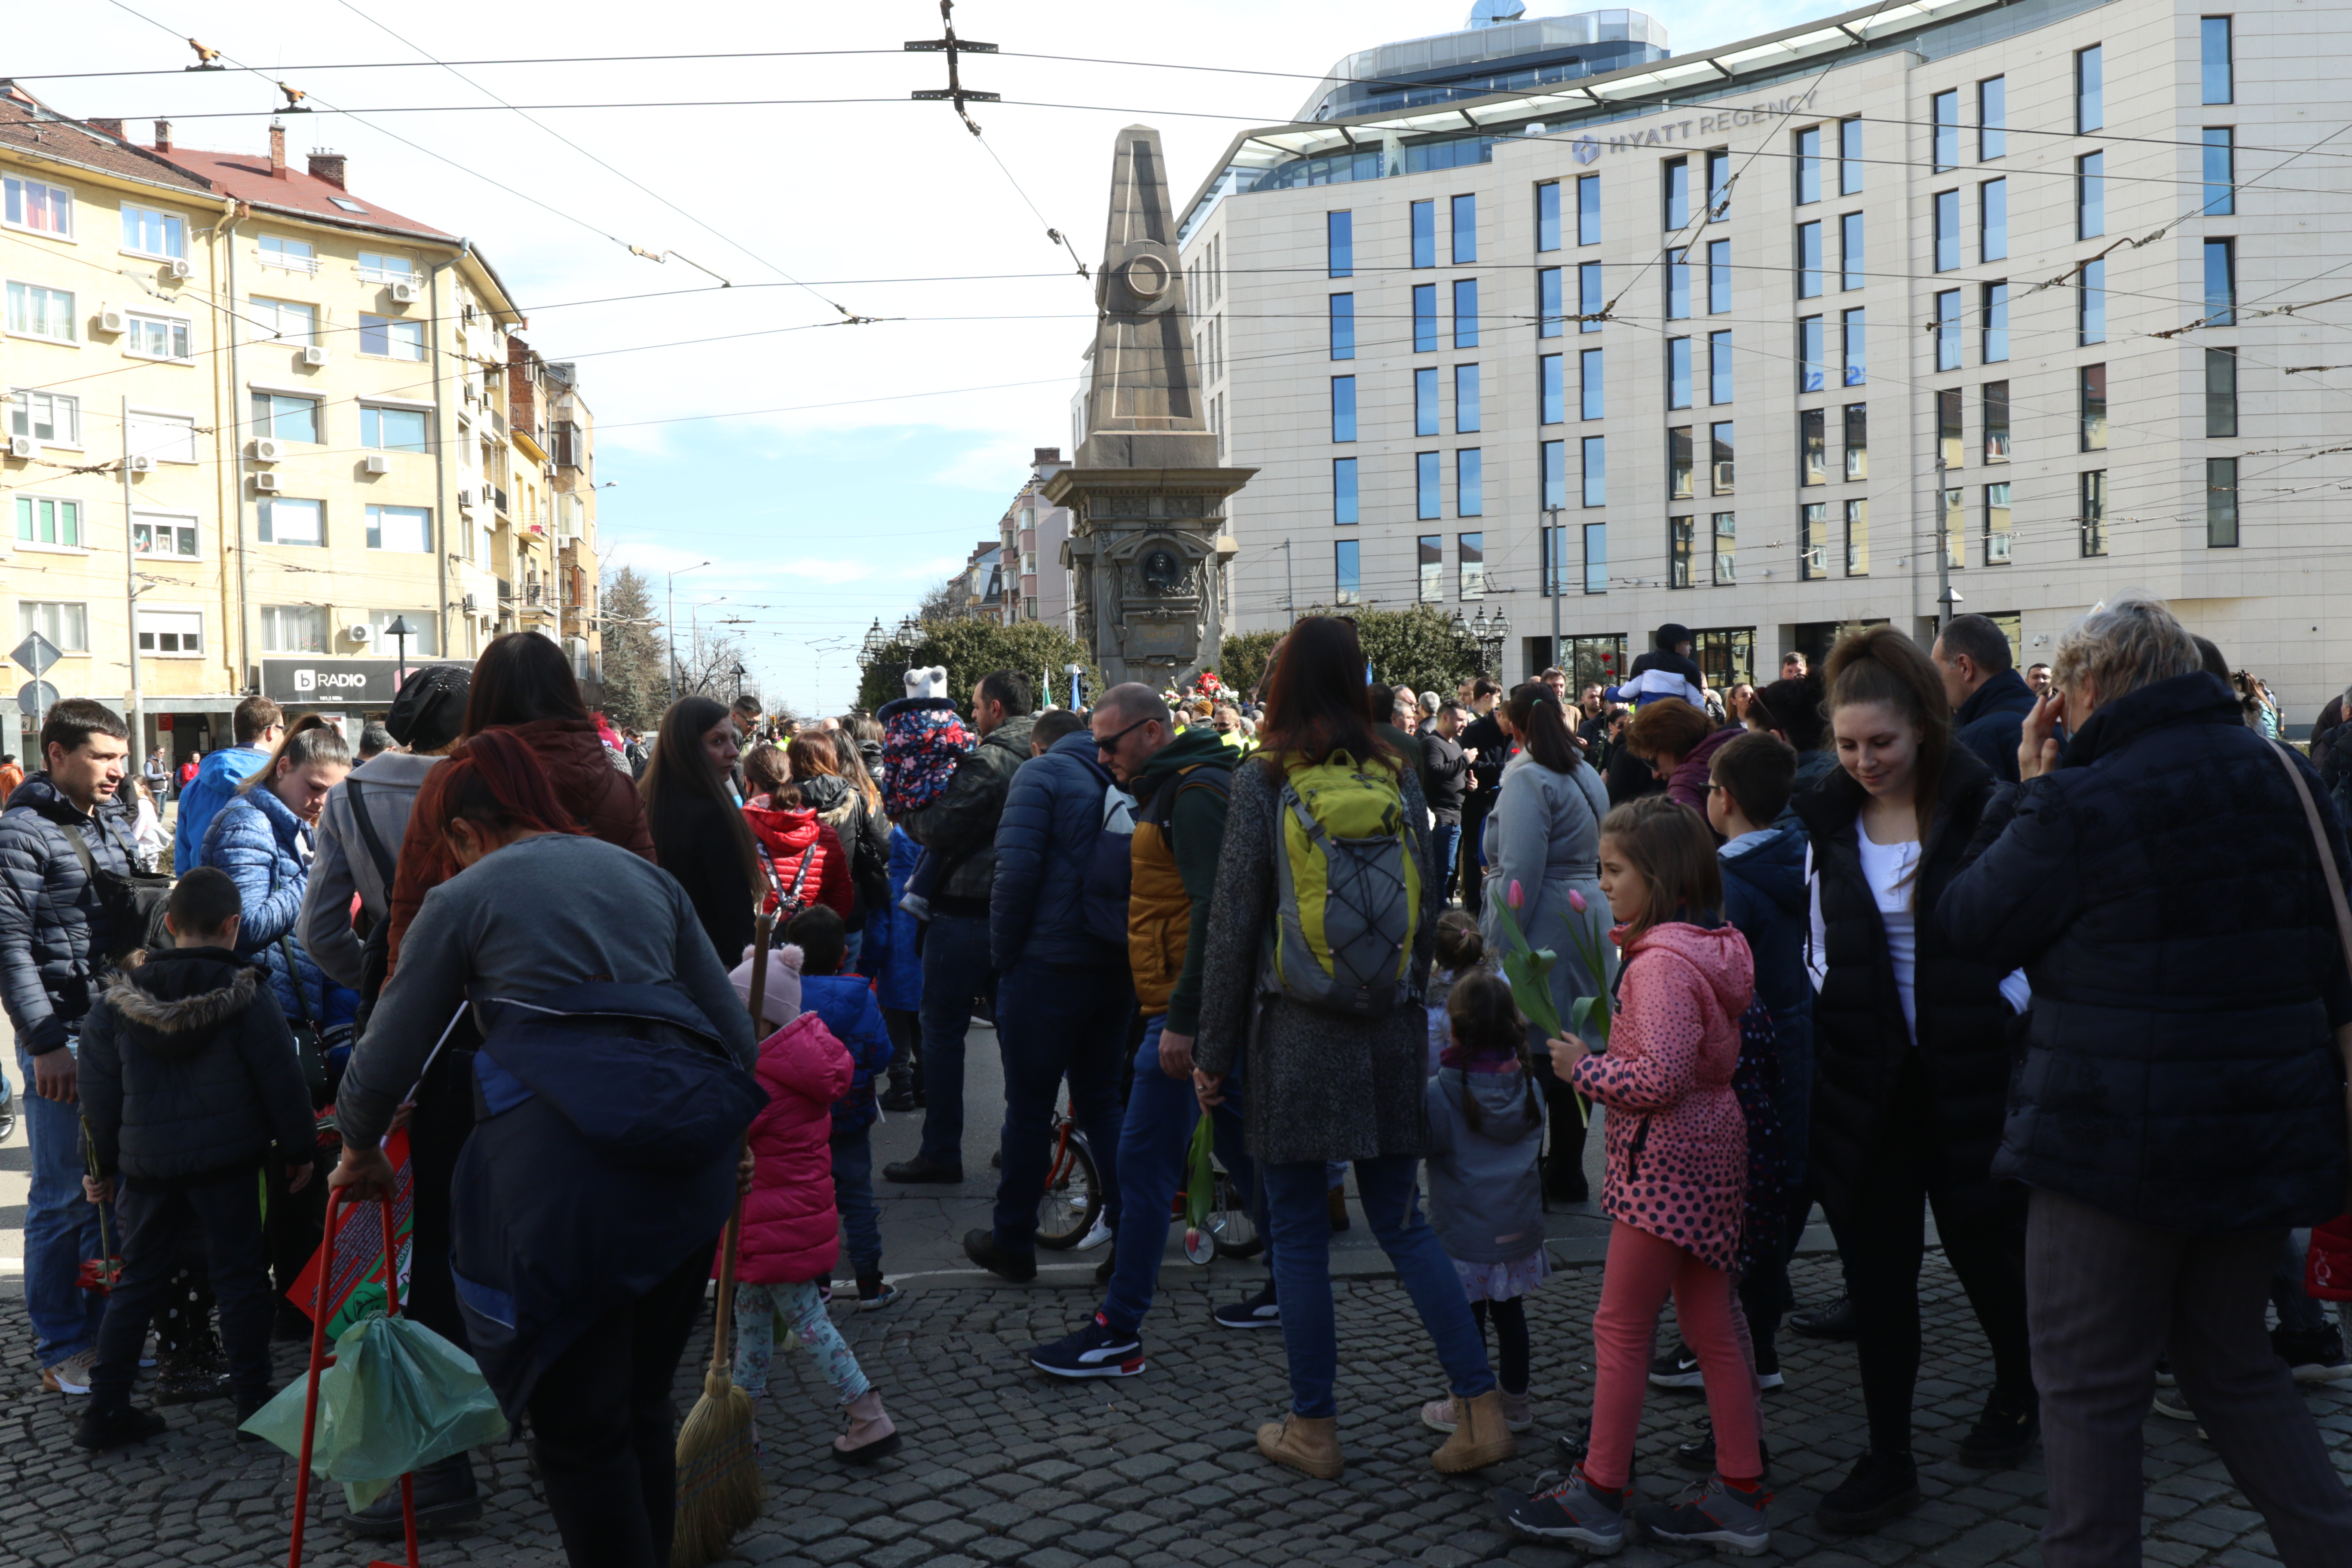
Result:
[188,1070]
[50,915]
[1992,722]
[2161,889]
[1861,1045]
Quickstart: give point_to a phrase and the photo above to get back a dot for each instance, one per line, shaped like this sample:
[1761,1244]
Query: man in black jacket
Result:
[1486,748]
[1990,699]
[1444,772]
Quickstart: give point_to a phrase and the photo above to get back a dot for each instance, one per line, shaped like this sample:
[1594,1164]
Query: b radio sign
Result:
[335,682]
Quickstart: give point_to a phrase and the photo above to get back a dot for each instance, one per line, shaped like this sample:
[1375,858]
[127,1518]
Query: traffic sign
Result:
[36,654]
[35,698]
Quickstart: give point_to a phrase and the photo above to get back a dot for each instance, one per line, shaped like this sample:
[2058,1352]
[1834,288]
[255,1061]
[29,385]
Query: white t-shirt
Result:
[1888,869]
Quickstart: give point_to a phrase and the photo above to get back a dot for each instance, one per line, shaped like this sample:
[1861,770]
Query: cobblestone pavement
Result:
[1002,1465]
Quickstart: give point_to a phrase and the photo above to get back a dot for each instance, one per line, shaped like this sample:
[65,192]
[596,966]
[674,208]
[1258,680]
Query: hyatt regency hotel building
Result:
[1539,320]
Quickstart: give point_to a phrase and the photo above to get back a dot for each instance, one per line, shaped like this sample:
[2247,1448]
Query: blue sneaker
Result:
[1096,1351]
[1569,1511]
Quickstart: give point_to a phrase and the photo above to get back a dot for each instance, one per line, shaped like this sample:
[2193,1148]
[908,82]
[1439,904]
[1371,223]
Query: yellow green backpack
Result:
[1349,889]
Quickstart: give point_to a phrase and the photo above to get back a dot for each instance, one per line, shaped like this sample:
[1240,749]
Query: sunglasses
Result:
[1107,747]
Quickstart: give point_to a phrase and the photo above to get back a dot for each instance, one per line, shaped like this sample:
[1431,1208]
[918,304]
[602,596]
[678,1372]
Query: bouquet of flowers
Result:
[1528,969]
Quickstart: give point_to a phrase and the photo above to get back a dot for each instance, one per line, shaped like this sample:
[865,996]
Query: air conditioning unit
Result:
[112,320]
[265,450]
[24,447]
[178,268]
[266,483]
[469,498]
[402,293]
[360,632]
[314,355]
[378,464]
[138,463]
[466,606]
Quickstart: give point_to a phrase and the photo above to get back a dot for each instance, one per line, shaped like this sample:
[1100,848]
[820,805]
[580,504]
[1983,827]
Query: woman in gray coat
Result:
[1544,835]
[1324,1085]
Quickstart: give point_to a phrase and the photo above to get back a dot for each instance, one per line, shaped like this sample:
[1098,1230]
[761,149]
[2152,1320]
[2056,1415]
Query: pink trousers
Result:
[1642,1270]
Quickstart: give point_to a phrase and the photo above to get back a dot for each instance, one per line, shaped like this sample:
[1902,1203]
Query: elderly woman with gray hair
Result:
[2180,1104]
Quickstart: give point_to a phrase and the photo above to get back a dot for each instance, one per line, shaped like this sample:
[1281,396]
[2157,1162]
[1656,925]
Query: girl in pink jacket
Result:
[791,1237]
[1676,1176]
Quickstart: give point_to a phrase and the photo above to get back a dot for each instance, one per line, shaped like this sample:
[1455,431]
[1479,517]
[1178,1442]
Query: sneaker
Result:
[70,1376]
[1720,1515]
[2003,1434]
[2174,1404]
[1569,1509]
[1768,1369]
[102,1429]
[1697,1453]
[874,1293]
[8,1118]
[2317,1356]
[1096,1351]
[1099,1234]
[1259,1311]
[898,1100]
[921,1170]
[1518,1411]
[1834,1322]
[982,1247]
[1883,1488]
[1678,1368]
[2164,1378]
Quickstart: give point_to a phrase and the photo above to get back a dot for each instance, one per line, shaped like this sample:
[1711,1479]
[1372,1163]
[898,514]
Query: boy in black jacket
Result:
[189,1083]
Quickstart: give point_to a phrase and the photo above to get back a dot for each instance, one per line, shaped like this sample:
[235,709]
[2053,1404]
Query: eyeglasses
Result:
[1105,748]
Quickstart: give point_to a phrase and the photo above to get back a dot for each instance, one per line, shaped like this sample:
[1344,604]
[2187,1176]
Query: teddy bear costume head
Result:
[930,682]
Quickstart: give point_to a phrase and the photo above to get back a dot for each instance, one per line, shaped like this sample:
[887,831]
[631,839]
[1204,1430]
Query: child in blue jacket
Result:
[845,1004]
[897,972]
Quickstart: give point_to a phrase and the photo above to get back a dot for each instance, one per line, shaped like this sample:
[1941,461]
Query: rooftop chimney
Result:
[1044,454]
[278,170]
[163,136]
[112,127]
[328,166]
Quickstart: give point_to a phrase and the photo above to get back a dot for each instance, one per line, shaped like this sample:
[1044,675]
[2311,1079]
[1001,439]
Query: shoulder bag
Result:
[2336,897]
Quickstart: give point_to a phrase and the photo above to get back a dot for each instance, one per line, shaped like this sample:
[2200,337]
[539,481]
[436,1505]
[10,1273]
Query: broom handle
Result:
[767,926]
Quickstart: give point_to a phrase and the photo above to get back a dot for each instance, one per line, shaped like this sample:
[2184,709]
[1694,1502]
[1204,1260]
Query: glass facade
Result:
[1994,348]
[1857,537]
[1719,275]
[2222,503]
[1551,389]
[1850,252]
[1809,261]
[1548,216]
[1343,326]
[1947,230]
[1343,491]
[1856,332]
[2220,393]
[1998,537]
[1857,441]
[1674,193]
[1347,572]
[1589,299]
[1425,412]
[1596,470]
[2091,309]
[2090,196]
[2220,172]
[1593,398]
[1678,373]
[2090,101]
[1993,220]
[2092,398]
[1339,244]
[1465,313]
[1466,415]
[2213,36]
[1679,480]
[1424,318]
[1465,230]
[1946,112]
[1993,119]
[1995,401]
[1808,165]
[1427,501]
[1588,209]
[1948,330]
[1678,288]
[1424,234]
[1550,313]
[1812,355]
[1718,367]
[1469,482]
[1343,408]
[2221,283]
[1850,164]
[1812,447]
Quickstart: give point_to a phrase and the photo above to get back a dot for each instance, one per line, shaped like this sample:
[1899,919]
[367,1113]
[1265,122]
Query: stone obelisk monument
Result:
[1147,540]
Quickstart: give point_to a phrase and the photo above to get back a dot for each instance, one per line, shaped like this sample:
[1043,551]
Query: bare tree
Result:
[717,665]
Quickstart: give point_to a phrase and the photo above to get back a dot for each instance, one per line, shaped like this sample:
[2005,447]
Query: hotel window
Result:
[1465,313]
[1424,402]
[2221,283]
[2091,514]
[387,337]
[1428,552]
[405,529]
[1808,165]
[2222,503]
[155,337]
[1814,545]
[172,632]
[1424,318]
[1955,527]
[2091,309]
[1465,398]
[1589,302]
[1993,220]
[286,418]
[1718,367]
[1678,373]
[2090,196]
[1997,535]
[1809,260]
[149,231]
[1343,408]
[1992,118]
[54,417]
[158,533]
[1339,244]
[1426,485]
[1718,276]
[1850,253]
[1591,399]
[2214,33]
[1944,109]
[1812,447]
[1552,393]
[1850,157]
[294,255]
[66,623]
[1856,332]
[285,319]
[1674,193]
[34,205]
[1596,558]
[293,522]
[1343,326]
[37,312]
[1948,330]
[1596,470]
[2090,104]
[1588,209]
[1857,441]
[1726,536]
[1470,565]
[1720,468]
[2220,392]
[1469,482]
[1679,542]
[1347,574]
[1947,230]
[1464,215]
[1812,351]
[1554,474]
[1548,216]
[2220,172]
[1994,343]
[1718,185]
[1995,399]
[1948,453]
[1678,463]
[1424,234]
[1343,491]
[43,521]
[1550,312]
[1678,292]
[293,628]
[2092,398]
[1857,537]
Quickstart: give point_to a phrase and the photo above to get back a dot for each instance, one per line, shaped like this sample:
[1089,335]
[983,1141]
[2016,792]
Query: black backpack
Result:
[132,901]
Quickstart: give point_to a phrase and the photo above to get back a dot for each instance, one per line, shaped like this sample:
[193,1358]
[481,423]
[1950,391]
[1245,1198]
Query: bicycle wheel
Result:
[1073,1199]
[1230,1227]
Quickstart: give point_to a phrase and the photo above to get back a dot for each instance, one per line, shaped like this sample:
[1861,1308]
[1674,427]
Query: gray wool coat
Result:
[1316,1086]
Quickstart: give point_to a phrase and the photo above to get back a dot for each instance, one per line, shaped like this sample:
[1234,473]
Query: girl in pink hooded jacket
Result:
[790,1236]
[1676,1176]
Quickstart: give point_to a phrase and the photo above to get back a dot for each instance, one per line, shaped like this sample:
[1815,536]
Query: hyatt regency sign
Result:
[1669,132]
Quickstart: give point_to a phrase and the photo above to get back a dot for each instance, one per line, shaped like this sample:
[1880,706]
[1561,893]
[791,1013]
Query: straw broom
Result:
[719,1489]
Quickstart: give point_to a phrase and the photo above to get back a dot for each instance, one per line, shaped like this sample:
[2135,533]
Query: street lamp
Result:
[871,648]
[671,628]
[909,631]
[400,633]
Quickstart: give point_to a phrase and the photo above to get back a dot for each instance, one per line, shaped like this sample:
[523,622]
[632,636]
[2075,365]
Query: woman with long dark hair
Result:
[537,911]
[699,834]
[1324,1085]
[831,781]
[1911,1062]
[1544,838]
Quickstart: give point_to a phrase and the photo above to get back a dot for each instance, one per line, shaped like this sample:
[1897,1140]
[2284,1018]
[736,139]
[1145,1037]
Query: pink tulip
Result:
[1514,898]
[1576,900]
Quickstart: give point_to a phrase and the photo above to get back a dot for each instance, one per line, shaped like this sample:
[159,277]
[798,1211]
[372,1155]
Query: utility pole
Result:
[670,631]
[130,599]
[1289,599]
[1553,543]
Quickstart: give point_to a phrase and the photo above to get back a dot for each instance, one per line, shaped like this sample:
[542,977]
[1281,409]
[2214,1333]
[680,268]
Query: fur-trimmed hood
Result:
[176,1001]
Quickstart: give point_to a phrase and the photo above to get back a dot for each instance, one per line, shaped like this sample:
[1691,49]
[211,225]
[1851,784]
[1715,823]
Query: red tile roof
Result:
[246,177]
[27,125]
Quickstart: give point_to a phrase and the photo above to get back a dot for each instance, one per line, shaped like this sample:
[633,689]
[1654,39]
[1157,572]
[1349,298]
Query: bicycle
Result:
[1073,1199]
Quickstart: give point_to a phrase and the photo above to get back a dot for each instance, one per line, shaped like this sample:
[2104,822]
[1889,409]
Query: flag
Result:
[357,1264]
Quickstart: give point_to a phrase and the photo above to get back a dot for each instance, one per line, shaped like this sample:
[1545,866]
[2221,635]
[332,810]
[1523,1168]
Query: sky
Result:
[830,472]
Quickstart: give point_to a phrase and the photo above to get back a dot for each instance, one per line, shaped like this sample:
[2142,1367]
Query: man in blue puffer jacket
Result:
[258,724]
[1067,995]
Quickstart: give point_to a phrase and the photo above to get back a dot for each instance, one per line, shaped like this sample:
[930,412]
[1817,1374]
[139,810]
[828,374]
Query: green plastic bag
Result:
[398,1398]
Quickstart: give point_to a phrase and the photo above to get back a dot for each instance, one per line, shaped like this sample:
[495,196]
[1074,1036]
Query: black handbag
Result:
[309,1038]
[132,901]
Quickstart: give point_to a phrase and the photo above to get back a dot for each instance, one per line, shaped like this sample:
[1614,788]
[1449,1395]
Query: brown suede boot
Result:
[1307,1444]
[1480,1435]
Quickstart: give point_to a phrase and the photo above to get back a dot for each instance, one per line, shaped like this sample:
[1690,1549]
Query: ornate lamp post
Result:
[870,648]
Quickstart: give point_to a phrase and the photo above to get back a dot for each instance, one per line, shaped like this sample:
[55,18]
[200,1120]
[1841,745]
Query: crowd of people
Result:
[1918,934]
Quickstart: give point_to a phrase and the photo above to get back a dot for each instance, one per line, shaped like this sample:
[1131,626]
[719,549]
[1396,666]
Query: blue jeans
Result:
[852,944]
[1054,1019]
[60,1230]
[955,970]
[2297,1313]
[1297,1207]
[1161,1114]
[853,1194]
[1444,840]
